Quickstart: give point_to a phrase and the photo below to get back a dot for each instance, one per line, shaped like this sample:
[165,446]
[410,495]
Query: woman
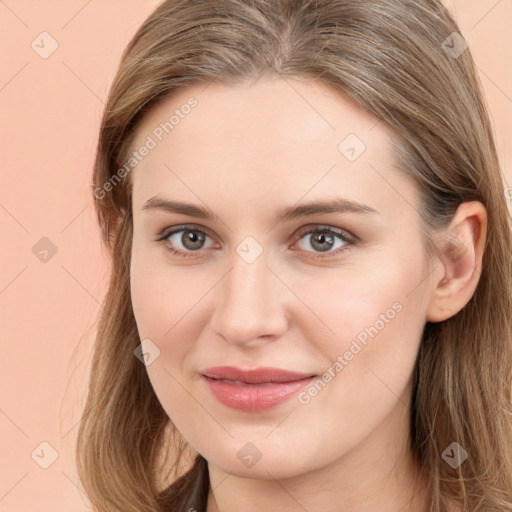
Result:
[310,303]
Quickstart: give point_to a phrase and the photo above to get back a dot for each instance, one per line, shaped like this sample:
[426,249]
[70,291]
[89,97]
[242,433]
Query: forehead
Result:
[269,111]
[274,136]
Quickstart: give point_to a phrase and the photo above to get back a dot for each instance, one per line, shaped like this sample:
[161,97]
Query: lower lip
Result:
[254,397]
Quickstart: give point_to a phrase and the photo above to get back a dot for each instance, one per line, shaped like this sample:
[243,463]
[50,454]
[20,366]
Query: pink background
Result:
[51,110]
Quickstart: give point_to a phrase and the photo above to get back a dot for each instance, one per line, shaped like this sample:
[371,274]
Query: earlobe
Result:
[461,248]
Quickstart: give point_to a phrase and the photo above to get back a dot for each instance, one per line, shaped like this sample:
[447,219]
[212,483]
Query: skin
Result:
[246,151]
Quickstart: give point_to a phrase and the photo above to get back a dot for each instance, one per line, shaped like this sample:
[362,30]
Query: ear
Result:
[461,248]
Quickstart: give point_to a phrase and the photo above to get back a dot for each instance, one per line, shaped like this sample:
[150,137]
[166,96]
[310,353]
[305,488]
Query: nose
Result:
[250,305]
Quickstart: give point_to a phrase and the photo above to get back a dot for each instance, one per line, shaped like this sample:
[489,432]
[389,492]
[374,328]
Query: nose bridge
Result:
[249,305]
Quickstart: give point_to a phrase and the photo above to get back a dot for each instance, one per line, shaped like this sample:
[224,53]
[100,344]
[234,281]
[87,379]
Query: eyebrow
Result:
[336,205]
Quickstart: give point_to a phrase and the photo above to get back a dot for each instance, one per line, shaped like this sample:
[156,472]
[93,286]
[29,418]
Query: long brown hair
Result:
[403,61]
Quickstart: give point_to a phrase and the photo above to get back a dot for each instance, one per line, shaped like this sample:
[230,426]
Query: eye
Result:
[185,240]
[323,239]
[190,240]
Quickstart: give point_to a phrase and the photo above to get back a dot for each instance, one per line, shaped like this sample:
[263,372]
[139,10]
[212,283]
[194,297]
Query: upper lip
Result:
[256,376]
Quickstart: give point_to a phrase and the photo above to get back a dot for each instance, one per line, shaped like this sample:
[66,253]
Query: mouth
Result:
[254,390]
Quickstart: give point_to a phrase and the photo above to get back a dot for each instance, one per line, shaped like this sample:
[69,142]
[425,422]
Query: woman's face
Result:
[254,287]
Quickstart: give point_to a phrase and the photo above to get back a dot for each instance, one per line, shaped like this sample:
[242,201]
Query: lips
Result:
[254,390]
[257,376]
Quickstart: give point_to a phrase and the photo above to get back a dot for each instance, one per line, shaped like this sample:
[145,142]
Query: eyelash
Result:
[349,241]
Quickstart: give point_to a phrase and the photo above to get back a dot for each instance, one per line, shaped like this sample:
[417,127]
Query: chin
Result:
[271,469]
[263,460]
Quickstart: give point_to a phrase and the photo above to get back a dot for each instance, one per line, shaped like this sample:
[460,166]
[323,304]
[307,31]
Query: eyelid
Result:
[166,232]
[311,228]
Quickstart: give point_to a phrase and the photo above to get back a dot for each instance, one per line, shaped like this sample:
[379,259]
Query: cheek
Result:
[375,322]
[160,296]
[364,302]
[169,306]
[163,305]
